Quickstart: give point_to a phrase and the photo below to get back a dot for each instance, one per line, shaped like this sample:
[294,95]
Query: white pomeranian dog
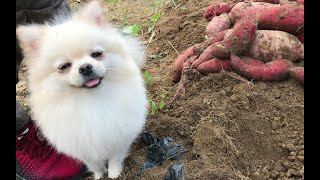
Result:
[87,94]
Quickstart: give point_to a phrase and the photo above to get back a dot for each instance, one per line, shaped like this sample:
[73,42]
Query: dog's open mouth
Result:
[92,83]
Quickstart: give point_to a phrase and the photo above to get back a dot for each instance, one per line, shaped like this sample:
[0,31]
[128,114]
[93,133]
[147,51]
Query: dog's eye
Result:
[96,54]
[64,66]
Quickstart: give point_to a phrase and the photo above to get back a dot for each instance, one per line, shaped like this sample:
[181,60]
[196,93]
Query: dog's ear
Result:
[91,13]
[29,38]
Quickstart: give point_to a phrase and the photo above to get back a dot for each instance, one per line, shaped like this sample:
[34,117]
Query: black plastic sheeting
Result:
[159,150]
[175,172]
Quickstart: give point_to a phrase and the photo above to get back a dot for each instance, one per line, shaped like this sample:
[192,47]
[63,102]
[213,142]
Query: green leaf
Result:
[183,7]
[153,107]
[164,94]
[147,77]
[155,17]
[162,104]
[112,1]
[133,29]
[153,56]
[157,2]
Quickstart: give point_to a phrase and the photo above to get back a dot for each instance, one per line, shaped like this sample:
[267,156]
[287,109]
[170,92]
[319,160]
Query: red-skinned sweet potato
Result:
[220,36]
[275,70]
[178,64]
[297,73]
[252,61]
[200,47]
[267,1]
[287,17]
[206,53]
[216,9]
[217,24]
[238,11]
[300,2]
[214,65]
[237,41]
[194,50]
[269,45]
[242,36]
[301,37]
[212,51]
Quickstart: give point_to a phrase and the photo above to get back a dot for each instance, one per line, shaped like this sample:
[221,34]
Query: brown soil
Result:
[233,128]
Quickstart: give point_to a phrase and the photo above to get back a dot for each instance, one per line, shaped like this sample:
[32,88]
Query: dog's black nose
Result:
[85,69]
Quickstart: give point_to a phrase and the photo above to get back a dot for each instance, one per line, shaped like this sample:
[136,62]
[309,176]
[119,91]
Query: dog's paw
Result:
[98,175]
[114,172]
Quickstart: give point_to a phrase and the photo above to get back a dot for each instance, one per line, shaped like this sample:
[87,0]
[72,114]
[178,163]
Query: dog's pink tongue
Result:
[92,82]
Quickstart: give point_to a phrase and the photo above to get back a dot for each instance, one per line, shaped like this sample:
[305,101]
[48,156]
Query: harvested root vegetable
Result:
[220,36]
[252,61]
[300,2]
[187,74]
[238,11]
[287,17]
[216,9]
[267,1]
[218,24]
[188,63]
[206,55]
[275,70]
[241,38]
[269,45]
[193,51]
[214,65]
[301,37]
[178,64]
[200,47]
[214,50]
[237,41]
[297,73]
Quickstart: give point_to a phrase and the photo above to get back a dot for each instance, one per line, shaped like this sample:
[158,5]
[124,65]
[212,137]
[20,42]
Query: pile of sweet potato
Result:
[261,40]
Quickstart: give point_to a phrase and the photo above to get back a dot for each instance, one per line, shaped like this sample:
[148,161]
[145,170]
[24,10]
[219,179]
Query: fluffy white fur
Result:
[92,125]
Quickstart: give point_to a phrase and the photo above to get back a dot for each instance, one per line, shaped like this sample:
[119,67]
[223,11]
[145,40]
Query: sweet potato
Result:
[214,65]
[252,61]
[194,50]
[217,24]
[300,2]
[200,47]
[190,61]
[241,38]
[237,41]
[212,51]
[220,36]
[216,9]
[270,44]
[297,73]
[287,17]
[275,70]
[178,64]
[267,1]
[301,37]
[238,11]
[282,2]
[206,54]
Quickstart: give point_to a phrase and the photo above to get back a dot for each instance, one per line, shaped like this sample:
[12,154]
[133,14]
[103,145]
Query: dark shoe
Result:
[22,116]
